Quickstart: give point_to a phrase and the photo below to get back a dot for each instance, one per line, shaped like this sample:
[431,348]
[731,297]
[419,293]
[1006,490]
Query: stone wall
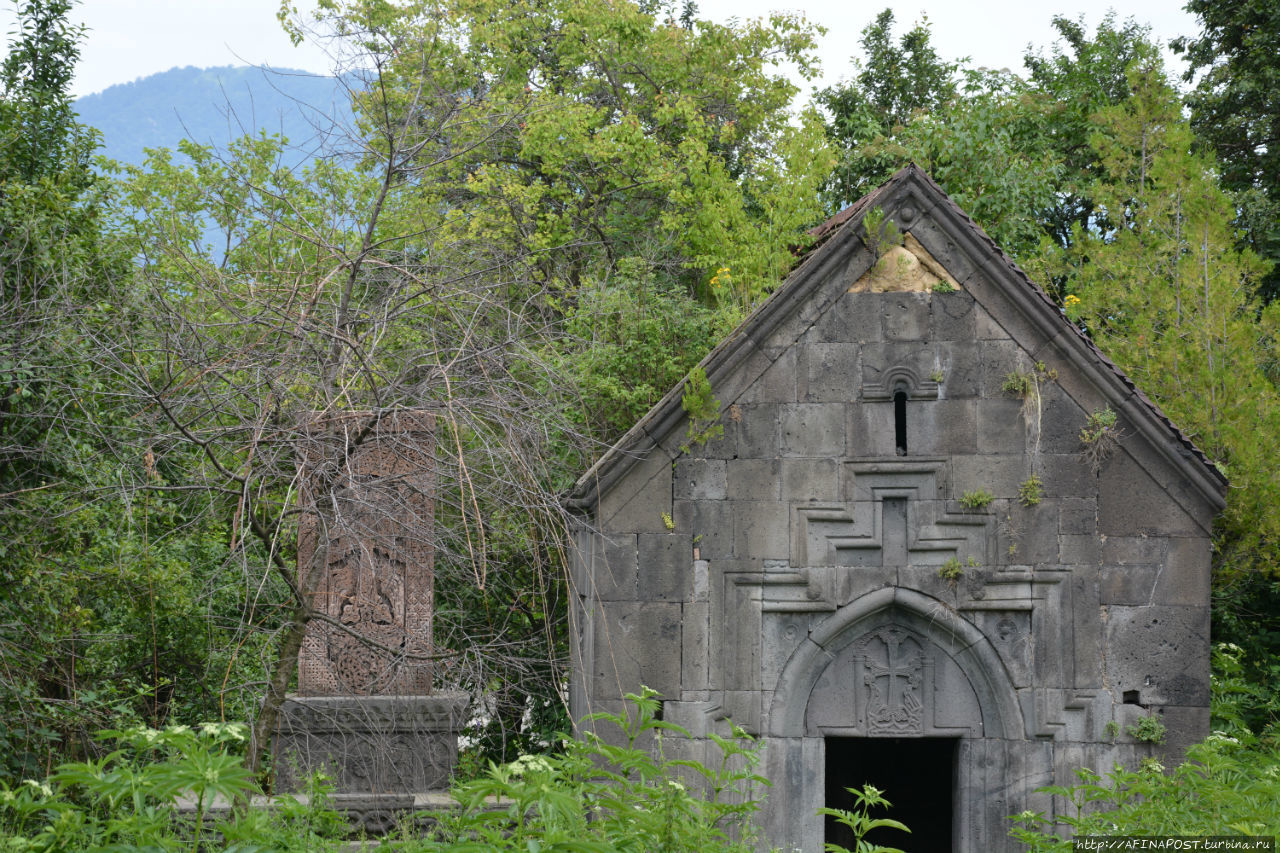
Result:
[789,576]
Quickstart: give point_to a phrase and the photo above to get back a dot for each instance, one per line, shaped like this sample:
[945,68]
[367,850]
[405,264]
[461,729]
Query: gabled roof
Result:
[908,196]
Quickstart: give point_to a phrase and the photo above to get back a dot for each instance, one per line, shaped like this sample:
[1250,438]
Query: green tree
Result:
[97,598]
[1080,76]
[598,133]
[888,91]
[1235,111]
[981,134]
[1168,295]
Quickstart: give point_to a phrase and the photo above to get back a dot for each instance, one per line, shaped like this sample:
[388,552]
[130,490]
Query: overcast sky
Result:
[133,38]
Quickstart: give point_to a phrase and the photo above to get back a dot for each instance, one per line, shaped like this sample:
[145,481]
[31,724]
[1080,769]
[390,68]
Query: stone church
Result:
[943,546]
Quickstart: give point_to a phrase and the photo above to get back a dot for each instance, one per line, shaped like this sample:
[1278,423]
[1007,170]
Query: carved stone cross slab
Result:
[367,489]
[892,667]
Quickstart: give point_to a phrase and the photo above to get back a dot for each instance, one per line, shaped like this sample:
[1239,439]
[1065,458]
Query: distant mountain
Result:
[213,106]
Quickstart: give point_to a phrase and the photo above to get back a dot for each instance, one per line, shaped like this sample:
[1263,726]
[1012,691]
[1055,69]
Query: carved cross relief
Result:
[889,666]
[897,518]
[369,494]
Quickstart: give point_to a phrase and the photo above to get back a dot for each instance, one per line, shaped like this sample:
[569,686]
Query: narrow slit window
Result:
[900,420]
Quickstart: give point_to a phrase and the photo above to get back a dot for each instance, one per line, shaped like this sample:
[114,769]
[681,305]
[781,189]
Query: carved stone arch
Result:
[920,614]
[900,378]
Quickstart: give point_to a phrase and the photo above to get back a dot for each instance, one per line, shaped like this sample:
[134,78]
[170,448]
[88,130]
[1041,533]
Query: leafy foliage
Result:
[153,792]
[1235,111]
[610,791]
[98,595]
[1031,491]
[887,91]
[702,409]
[1080,76]
[976,499]
[1169,297]
[1229,781]
[860,823]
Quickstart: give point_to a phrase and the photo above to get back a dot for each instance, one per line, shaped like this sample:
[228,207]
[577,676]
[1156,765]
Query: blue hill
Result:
[213,106]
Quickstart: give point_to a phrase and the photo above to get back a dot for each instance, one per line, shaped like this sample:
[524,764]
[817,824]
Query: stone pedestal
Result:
[374,745]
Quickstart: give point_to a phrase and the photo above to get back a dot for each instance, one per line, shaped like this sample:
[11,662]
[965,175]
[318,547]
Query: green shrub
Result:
[1019,383]
[1229,783]
[602,796]
[129,800]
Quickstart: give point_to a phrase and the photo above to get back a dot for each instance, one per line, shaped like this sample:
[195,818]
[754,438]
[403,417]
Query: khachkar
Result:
[365,712]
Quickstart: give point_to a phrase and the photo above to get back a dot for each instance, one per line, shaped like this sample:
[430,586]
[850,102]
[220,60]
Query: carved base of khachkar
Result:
[378,751]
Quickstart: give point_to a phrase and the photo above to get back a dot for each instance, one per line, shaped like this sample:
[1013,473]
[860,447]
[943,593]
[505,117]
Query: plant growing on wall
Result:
[952,570]
[976,499]
[1100,437]
[1031,491]
[703,410]
[881,232]
[1149,729]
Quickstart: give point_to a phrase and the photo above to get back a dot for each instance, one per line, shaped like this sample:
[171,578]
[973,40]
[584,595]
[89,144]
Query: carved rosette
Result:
[365,547]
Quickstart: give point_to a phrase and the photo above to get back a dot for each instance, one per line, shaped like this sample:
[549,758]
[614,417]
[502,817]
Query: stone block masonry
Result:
[859,569]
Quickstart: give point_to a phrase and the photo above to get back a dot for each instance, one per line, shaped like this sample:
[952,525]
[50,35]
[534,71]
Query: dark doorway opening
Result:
[916,775]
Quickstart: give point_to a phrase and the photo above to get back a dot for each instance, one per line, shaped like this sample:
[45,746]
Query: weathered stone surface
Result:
[1128,584]
[665,566]
[905,316]
[848,321]
[700,479]
[640,500]
[369,744]
[812,429]
[997,474]
[1185,579]
[1130,502]
[942,427]
[1001,426]
[1087,629]
[637,644]
[1183,726]
[778,382]
[754,479]
[367,534]
[611,563]
[1078,516]
[954,317]
[959,369]
[871,430]
[1135,550]
[1060,420]
[710,523]
[1076,550]
[1161,651]
[810,479]
[755,430]
[760,530]
[833,372]
[1067,475]
[878,360]
[824,582]
[986,327]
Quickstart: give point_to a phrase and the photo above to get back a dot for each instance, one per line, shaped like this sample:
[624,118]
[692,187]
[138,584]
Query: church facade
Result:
[943,546]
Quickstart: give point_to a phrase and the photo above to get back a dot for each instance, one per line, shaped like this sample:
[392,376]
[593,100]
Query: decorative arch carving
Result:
[900,378]
[875,615]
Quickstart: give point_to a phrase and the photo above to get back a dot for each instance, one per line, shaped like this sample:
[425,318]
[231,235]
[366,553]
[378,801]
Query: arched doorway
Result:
[893,679]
